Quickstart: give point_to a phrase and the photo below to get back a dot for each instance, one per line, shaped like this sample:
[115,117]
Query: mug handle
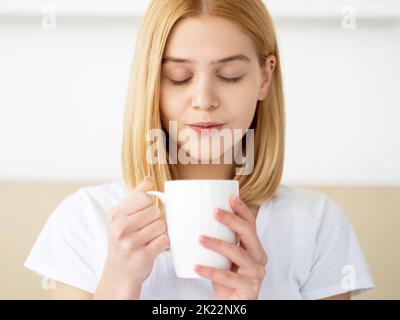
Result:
[159,195]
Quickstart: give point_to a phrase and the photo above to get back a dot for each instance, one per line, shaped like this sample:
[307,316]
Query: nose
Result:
[204,97]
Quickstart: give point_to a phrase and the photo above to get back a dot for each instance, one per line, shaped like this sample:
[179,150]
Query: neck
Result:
[206,171]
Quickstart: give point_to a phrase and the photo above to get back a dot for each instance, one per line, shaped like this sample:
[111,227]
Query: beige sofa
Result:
[25,206]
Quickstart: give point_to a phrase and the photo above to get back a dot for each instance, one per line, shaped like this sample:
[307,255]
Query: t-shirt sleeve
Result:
[63,251]
[338,264]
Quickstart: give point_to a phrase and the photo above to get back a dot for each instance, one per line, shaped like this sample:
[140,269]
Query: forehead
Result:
[207,39]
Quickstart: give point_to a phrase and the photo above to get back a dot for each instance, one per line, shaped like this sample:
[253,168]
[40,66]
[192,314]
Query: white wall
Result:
[62,93]
[343,102]
[62,96]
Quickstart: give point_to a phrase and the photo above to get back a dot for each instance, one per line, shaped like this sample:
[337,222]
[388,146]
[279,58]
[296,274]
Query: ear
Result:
[267,72]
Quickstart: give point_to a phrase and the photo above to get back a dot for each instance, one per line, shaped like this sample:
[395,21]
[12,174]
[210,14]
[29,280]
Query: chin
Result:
[204,157]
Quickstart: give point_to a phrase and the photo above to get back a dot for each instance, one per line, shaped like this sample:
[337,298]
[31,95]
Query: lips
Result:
[206,126]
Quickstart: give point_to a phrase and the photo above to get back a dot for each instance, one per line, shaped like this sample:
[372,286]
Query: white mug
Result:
[189,212]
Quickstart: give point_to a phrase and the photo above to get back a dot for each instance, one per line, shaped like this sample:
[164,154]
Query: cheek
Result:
[241,105]
[171,106]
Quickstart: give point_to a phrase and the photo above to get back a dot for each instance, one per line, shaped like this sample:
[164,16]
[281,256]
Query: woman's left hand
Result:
[243,281]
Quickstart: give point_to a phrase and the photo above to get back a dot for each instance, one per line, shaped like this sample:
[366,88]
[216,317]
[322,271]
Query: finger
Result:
[137,200]
[234,222]
[147,184]
[235,254]
[146,216]
[131,205]
[141,219]
[158,245]
[241,209]
[226,277]
[150,232]
[246,231]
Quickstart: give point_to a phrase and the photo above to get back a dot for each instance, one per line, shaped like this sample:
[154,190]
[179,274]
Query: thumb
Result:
[147,184]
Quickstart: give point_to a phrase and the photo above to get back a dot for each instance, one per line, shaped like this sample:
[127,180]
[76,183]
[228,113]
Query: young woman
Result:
[202,65]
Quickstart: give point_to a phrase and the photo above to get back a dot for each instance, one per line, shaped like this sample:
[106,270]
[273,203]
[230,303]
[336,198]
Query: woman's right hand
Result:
[136,236]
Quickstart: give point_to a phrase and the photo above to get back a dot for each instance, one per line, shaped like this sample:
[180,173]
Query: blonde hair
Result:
[142,111]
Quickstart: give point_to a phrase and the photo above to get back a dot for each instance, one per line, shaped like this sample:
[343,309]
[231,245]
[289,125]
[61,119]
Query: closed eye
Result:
[227,80]
[231,80]
[180,83]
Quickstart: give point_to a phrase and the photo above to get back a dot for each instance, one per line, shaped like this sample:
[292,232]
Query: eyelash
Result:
[227,80]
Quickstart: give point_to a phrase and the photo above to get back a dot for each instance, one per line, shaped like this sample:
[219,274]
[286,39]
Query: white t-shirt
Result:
[312,248]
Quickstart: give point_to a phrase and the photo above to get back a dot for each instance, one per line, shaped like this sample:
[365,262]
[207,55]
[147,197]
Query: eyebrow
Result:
[240,57]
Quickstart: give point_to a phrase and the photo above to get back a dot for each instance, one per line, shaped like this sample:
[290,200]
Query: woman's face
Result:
[210,73]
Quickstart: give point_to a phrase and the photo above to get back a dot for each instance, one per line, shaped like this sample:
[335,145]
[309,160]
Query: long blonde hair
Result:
[142,111]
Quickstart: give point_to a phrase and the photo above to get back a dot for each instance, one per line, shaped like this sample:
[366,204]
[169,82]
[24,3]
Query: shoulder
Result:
[103,194]
[70,246]
[305,203]
[89,202]
[306,210]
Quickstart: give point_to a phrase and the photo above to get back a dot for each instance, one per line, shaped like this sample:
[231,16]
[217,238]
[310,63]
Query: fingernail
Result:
[144,181]
[197,268]
[218,213]
[236,199]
